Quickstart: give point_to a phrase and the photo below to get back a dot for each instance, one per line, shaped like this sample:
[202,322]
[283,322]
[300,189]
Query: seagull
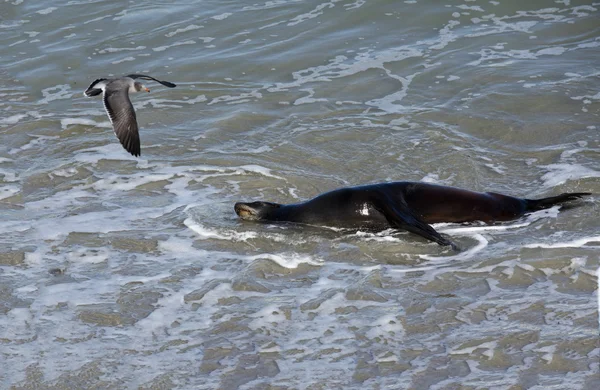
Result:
[115,95]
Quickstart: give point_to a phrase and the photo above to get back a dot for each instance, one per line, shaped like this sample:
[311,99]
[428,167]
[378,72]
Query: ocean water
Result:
[119,272]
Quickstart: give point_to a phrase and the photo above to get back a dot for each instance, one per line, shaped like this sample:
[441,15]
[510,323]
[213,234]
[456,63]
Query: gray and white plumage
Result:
[115,95]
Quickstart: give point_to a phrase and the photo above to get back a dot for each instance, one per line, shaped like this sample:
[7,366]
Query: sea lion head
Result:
[256,211]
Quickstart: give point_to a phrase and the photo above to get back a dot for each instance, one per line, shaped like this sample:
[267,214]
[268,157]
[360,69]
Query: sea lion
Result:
[410,206]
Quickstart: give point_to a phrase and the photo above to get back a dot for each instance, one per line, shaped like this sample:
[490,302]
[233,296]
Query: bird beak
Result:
[147,90]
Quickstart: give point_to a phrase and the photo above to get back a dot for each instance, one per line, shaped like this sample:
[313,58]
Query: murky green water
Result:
[117,272]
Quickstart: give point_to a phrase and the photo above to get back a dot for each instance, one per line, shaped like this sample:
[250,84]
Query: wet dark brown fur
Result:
[410,206]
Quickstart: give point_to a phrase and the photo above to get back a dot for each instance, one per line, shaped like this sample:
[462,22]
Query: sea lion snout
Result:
[244,211]
[255,210]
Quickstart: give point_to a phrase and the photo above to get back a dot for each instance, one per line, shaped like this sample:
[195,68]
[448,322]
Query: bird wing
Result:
[144,77]
[95,88]
[122,116]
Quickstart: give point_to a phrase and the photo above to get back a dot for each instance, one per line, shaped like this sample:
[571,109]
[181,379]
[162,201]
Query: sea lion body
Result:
[409,206]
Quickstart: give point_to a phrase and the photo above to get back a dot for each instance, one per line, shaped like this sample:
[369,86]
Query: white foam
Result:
[357,4]
[386,326]
[8,175]
[8,227]
[180,43]
[11,120]
[66,122]
[267,317]
[383,236]
[488,348]
[178,333]
[474,229]
[58,92]
[576,243]
[431,178]
[222,16]
[177,245]
[260,170]
[289,260]
[126,59]
[316,12]
[390,103]
[119,49]
[560,173]
[37,141]
[587,97]
[206,233]
[17,42]
[309,98]
[446,36]
[548,351]
[265,6]
[8,191]
[410,270]
[46,11]
[498,168]
[67,172]
[551,212]
[85,256]
[96,19]
[191,27]
[174,103]
[130,182]
[259,150]
[110,151]
[342,66]
[482,242]
[241,98]
[92,222]
[554,51]
[14,23]
[579,10]
[488,56]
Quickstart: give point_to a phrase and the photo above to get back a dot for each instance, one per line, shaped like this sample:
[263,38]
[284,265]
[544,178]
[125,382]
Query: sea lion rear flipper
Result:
[402,218]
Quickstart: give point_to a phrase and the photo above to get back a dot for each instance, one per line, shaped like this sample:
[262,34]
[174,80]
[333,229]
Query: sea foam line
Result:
[577,243]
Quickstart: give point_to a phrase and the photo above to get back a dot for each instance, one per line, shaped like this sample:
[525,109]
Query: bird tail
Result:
[544,203]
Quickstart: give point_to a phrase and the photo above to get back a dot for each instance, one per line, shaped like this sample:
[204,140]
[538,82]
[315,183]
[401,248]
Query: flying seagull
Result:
[115,95]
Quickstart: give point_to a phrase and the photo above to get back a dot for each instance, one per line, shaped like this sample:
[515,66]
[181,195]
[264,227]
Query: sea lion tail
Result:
[544,203]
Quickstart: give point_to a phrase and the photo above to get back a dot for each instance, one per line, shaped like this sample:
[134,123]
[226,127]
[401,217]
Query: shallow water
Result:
[117,272]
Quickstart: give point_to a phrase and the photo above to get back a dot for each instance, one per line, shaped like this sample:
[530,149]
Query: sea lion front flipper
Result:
[401,218]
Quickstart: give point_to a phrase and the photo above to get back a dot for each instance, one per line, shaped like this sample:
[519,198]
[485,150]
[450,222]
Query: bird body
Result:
[120,111]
